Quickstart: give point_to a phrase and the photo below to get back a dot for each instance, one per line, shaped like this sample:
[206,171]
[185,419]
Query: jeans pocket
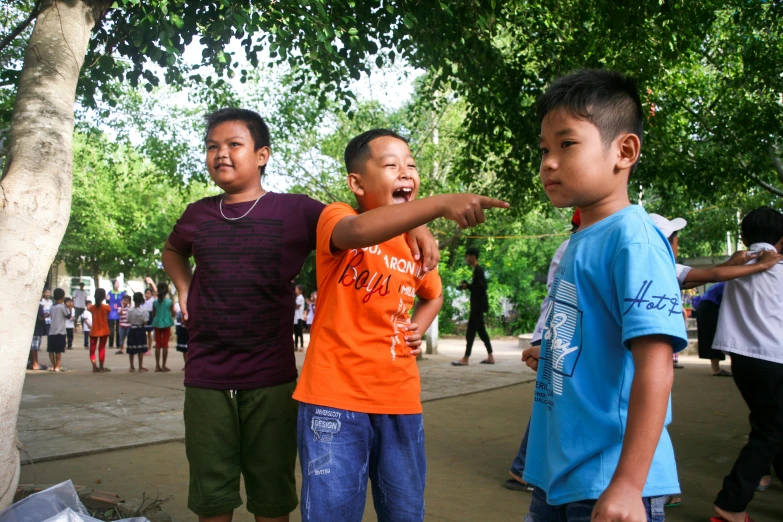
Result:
[657,508]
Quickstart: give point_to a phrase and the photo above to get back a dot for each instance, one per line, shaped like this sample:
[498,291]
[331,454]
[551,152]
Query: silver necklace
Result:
[243,215]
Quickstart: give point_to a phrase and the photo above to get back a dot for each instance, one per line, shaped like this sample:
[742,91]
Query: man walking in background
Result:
[479,305]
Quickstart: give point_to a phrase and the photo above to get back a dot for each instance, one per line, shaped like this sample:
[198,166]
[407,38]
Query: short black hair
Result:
[81,284]
[138,298]
[253,121]
[58,294]
[358,149]
[472,251]
[762,225]
[607,99]
[68,300]
[126,296]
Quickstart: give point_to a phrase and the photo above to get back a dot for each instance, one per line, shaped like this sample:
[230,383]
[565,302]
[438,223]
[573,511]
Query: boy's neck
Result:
[250,194]
[58,302]
[595,212]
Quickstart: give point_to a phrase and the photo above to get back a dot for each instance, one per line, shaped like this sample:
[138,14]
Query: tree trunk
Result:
[35,196]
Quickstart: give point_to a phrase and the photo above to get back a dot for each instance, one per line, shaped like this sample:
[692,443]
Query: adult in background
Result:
[114,300]
[79,302]
[479,305]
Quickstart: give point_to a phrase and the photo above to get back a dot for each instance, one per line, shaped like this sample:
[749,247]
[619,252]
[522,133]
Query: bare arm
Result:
[424,313]
[177,267]
[727,272]
[652,384]
[383,223]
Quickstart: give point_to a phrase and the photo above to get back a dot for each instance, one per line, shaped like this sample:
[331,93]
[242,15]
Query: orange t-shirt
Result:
[100,320]
[357,359]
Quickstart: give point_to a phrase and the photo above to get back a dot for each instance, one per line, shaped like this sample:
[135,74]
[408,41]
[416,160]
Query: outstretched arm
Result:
[177,267]
[383,223]
[727,272]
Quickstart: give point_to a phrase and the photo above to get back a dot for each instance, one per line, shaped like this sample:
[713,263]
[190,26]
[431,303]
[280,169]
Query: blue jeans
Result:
[339,450]
[518,466]
[124,331]
[582,510]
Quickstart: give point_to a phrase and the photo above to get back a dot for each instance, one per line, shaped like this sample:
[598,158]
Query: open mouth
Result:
[402,195]
[221,165]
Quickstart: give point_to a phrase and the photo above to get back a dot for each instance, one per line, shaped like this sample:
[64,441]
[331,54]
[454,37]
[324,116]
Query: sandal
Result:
[672,501]
[722,373]
[721,519]
[487,362]
[516,485]
[457,363]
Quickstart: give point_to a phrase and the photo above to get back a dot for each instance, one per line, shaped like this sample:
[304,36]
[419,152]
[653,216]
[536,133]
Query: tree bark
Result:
[35,195]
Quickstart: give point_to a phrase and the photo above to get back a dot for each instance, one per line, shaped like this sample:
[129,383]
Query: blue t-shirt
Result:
[616,282]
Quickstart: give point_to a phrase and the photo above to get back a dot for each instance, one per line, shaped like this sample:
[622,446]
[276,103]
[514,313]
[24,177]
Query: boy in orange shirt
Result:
[359,412]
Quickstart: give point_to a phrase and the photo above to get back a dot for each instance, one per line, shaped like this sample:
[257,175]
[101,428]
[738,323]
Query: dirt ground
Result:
[471,441]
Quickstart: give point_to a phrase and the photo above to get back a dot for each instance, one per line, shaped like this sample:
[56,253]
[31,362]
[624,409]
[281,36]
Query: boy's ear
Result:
[629,148]
[262,155]
[355,184]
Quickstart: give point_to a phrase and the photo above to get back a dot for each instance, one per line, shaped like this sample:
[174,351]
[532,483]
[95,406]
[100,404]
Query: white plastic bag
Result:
[59,503]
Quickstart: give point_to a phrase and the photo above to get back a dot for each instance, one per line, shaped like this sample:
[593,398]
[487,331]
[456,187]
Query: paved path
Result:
[78,412]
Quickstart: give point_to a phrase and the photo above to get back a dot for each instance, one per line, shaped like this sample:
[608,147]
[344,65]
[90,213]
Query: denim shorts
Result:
[582,510]
[339,450]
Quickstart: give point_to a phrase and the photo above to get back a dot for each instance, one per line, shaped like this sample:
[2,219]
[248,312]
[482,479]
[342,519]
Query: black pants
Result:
[114,332]
[69,337]
[761,385]
[298,335]
[707,322]
[476,326]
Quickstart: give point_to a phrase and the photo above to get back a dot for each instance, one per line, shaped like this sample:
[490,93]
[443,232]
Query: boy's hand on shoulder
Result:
[530,357]
[620,502]
[467,210]
[740,257]
[768,259]
[424,247]
[413,338]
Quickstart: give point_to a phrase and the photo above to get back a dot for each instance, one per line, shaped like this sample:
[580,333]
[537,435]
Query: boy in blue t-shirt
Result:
[602,397]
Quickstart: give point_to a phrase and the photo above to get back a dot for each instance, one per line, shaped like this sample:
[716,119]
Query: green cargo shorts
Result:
[247,432]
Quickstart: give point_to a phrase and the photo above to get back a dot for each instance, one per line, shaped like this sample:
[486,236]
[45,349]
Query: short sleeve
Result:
[431,286]
[325,259]
[648,296]
[682,273]
[329,218]
[311,211]
[181,238]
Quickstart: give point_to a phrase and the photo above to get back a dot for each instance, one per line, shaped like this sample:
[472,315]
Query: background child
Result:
[35,346]
[124,323]
[750,328]
[311,310]
[69,323]
[87,323]
[299,311]
[238,306]
[46,301]
[149,305]
[359,392]
[58,314]
[137,342]
[99,331]
[162,321]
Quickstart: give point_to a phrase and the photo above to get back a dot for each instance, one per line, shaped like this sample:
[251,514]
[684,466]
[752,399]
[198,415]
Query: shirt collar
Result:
[758,247]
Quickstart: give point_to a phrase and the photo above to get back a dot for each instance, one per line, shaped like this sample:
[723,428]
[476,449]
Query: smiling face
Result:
[232,160]
[577,169]
[388,177]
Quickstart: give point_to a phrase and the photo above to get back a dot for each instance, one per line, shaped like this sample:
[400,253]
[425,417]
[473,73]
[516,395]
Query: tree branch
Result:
[776,163]
[10,37]
[445,244]
[763,184]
